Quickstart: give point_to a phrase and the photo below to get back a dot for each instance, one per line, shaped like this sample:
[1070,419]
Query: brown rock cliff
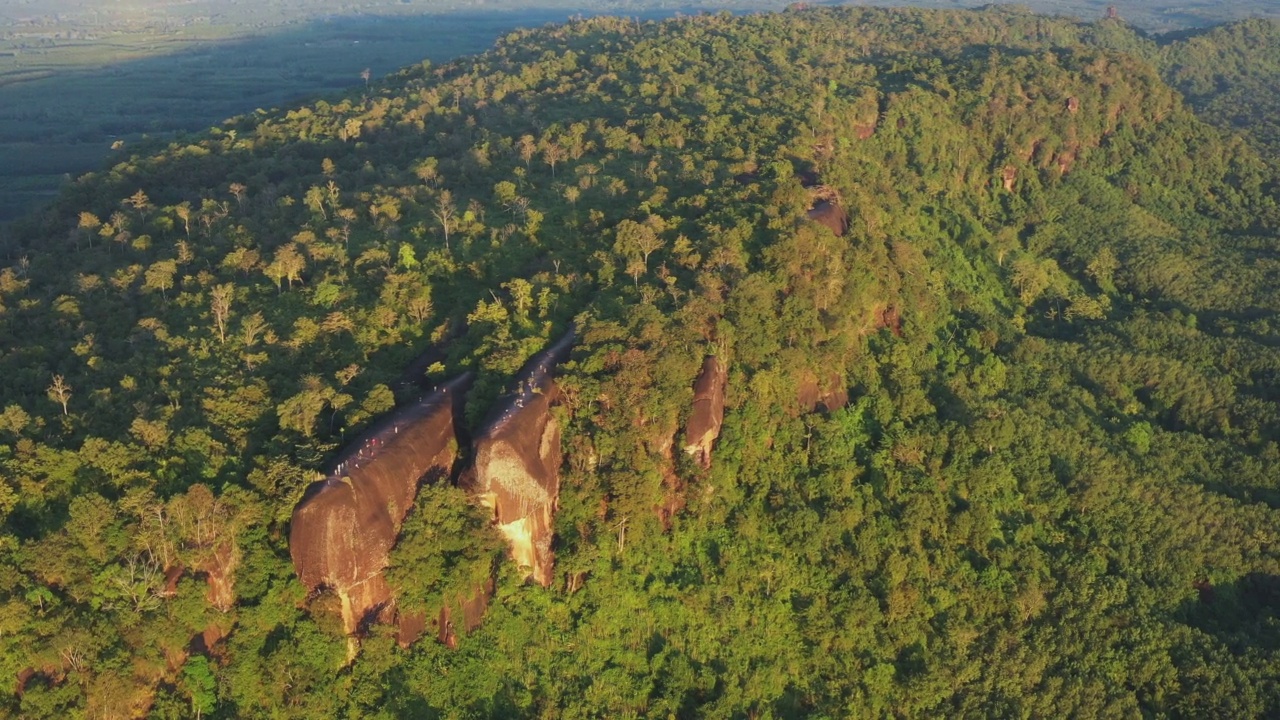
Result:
[825,205]
[517,463]
[471,613]
[221,568]
[830,215]
[704,423]
[465,615]
[344,528]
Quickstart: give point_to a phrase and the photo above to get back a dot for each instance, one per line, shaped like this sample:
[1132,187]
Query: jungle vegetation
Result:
[1053,492]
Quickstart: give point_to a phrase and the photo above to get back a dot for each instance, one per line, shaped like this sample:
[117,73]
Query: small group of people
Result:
[370,447]
[367,451]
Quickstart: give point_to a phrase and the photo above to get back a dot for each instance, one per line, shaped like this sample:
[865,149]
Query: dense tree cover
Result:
[1052,493]
[1232,74]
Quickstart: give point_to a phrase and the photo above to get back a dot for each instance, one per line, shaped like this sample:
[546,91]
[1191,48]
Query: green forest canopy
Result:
[1052,493]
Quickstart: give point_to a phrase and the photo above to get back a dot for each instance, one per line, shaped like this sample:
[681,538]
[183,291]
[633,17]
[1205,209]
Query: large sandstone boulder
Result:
[344,528]
[704,423]
[517,463]
[825,206]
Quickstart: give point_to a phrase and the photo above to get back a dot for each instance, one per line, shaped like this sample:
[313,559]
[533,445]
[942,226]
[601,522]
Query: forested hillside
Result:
[1231,74]
[898,363]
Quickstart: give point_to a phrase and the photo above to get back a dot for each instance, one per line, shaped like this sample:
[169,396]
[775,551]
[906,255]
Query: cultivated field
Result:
[64,104]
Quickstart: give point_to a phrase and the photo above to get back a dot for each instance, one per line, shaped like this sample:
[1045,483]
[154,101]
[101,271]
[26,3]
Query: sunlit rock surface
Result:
[221,573]
[825,206]
[708,410]
[517,463]
[344,528]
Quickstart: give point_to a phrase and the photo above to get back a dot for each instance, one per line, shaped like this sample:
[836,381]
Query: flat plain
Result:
[66,101]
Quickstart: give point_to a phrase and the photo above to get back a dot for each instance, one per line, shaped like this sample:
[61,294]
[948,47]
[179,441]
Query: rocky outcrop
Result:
[517,463]
[704,423]
[464,616]
[889,317]
[220,568]
[344,528]
[1067,157]
[470,612]
[825,206]
[814,396]
[51,674]
[1008,176]
[831,215]
[673,486]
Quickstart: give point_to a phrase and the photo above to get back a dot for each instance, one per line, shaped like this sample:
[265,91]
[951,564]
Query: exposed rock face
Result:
[344,528]
[825,206]
[50,673]
[221,573]
[831,215]
[171,577]
[472,613]
[673,496]
[826,397]
[1008,175]
[1067,158]
[517,463]
[708,410]
[204,642]
[446,624]
[889,317]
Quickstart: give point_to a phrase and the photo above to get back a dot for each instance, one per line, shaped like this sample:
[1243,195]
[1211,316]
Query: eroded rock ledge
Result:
[345,526]
[517,463]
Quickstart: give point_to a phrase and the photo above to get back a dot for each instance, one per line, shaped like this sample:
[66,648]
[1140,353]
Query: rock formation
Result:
[517,463]
[221,568]
[1067,157]
[813,395]
[889,317]
[673,486]
[472,612]
[1009,175]
[708,410]
[831,215]
[446,624]
[825,207]
[344,528]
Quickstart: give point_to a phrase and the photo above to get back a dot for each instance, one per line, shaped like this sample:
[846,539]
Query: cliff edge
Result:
[517,463]
[345,526]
